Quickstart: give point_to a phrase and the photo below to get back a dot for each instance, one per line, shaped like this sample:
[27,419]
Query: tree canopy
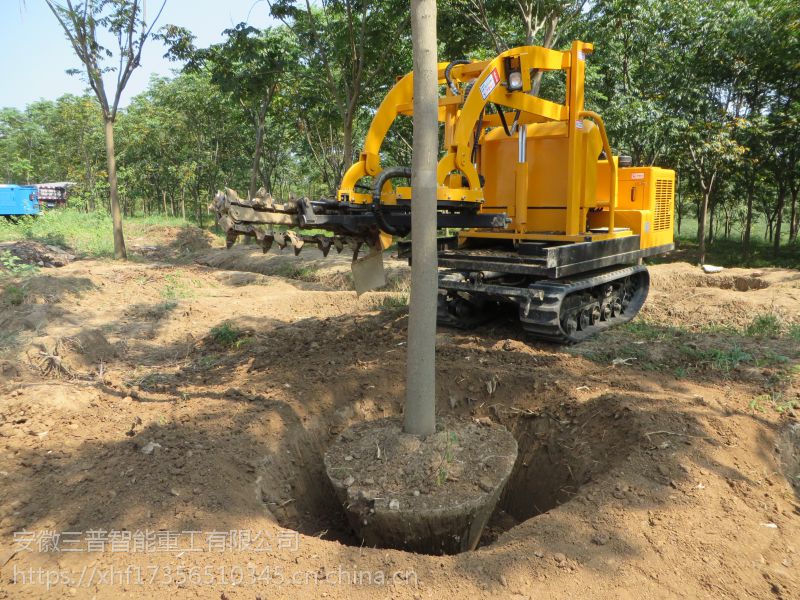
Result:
[707,87]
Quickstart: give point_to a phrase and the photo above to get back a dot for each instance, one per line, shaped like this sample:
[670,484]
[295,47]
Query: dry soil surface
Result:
[162,426]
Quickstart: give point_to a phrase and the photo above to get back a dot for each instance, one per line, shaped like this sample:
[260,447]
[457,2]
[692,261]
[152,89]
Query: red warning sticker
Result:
[490,83]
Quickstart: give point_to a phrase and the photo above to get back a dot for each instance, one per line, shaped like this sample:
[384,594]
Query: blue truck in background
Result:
[18,200]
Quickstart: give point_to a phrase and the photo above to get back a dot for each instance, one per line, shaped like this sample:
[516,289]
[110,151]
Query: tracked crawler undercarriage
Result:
[550,222]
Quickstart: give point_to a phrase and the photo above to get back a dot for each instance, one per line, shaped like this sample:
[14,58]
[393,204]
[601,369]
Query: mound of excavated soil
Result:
[37,254]
[681,294]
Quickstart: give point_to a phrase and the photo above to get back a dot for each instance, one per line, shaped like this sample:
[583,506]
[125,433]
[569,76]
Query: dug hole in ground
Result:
[198,389]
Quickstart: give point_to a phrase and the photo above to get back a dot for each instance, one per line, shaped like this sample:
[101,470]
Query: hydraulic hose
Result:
[477,137]
[453,87]
[509,132]
[377,208]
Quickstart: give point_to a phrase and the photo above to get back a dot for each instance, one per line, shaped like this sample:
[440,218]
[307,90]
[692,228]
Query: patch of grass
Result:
[158,311]
[447,458]
[722,328]
[730,252]
[86,234]
[764,325]
[151,381]
[775,401]
[623,354]
[301,272]
[13,295]
[643,330]
[770,358]
[176,287]
[12,265]
[794,332]
[207,361]
[719,359]
[395,302]
[8,342]
[227,334]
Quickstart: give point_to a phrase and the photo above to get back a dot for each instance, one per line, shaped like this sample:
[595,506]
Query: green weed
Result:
[764,325]
[395,302]
[176,287]
[297,271]
[769,358]
[14,295]
[8,342]
[725,360]
[207,361]
[775,401]
[447,458]
[227,334]
[160,310]
[14,266]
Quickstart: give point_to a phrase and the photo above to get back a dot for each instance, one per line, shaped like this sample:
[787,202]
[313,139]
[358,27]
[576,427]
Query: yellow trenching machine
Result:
[549,220]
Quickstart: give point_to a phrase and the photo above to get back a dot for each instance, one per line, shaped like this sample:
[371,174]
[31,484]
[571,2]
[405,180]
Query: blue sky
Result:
[34,54]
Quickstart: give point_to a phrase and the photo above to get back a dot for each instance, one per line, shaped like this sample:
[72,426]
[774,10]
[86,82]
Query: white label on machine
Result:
[637,175]
[647,226]
[490,83]
[579,124]
[581,55]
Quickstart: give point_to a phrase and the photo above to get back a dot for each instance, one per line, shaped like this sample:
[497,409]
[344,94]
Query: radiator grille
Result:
[664,205]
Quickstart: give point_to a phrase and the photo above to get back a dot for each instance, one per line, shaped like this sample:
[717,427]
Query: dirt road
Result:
[162,425]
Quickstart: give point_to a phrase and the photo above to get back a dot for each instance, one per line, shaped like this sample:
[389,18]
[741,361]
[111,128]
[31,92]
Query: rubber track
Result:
[540,304]
[542,318]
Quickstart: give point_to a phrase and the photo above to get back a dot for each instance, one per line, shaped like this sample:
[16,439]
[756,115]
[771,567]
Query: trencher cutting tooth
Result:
[266,243]
[324,244]
[280,239]
[296,242]
[338,244]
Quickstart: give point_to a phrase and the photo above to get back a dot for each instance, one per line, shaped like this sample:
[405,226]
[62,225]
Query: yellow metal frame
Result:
[483,82]
[460,115]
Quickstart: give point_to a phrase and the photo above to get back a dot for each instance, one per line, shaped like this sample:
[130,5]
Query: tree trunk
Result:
[257,153]
[183,205]
[420,407]
[701,225]
[116,216]
[678,202]
[347,144]
[776,248]
[748,223]
[711,221]
[547,42]
[768,232]
[164,201]
[793,217]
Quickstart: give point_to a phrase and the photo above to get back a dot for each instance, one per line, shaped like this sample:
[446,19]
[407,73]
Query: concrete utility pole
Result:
[420,408]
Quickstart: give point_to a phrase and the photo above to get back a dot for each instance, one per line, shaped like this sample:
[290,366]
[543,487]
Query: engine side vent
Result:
[664,205]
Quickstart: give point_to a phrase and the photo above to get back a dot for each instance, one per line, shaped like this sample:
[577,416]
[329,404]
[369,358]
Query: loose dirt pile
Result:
[683,295]
[36,254]
[656,462]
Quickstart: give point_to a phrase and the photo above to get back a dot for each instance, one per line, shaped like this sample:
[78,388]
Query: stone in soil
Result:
[431,495]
